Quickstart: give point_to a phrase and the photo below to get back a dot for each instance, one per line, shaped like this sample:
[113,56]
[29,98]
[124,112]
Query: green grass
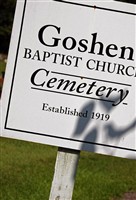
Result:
[104,177]
[27,171]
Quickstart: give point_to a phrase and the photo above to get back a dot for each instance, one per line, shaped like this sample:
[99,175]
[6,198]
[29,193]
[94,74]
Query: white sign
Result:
[70,78]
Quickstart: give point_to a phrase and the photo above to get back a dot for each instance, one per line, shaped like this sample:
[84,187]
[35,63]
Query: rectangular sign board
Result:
[70,77]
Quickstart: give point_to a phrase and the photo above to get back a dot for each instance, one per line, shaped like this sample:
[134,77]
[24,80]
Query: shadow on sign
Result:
[112,133]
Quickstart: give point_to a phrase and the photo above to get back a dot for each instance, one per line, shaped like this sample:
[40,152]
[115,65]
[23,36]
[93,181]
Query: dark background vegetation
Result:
[7,8]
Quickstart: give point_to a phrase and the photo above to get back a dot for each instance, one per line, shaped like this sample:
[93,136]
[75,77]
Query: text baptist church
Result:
[93,46]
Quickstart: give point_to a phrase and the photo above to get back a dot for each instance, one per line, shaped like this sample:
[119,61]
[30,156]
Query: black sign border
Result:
[12,83]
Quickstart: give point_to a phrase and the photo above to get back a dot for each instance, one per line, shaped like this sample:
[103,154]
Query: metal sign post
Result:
[64,176]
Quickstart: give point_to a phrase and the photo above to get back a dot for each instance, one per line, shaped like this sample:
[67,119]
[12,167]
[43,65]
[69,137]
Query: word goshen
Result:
[70,43]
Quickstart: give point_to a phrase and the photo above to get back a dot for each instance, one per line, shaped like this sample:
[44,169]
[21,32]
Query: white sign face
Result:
[70,78]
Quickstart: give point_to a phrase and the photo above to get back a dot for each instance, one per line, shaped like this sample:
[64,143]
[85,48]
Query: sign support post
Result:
[64,175]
